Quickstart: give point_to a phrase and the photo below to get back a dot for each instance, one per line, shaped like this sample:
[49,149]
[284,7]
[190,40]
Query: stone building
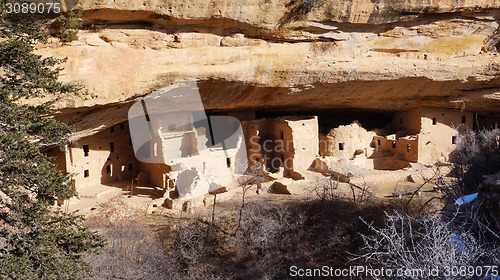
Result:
[189,154]
[195,157]
[290,143]
[346,140]
[184,157]
[102,158]
[403,148]
[425,135]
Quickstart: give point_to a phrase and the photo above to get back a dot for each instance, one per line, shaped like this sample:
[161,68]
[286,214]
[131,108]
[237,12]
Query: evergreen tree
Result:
[36,241]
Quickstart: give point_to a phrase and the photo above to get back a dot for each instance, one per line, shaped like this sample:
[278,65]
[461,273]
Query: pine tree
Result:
[36,241]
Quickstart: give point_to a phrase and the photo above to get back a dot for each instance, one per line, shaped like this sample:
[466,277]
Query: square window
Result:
[85,173]
[341,146]
[86,150]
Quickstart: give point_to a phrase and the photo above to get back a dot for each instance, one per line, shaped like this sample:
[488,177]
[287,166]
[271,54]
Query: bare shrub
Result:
[425,243]
[269,233]
[260,248]
[413,201]
[325,189]
[477,154]
[270,238]
[190,254]
[328,189]
[362,193]
[132,250]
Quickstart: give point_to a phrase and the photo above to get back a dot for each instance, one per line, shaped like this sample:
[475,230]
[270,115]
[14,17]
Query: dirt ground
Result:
[385,185]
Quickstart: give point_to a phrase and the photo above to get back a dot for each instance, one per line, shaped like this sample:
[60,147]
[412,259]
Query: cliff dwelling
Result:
[423,135]
[290,143]
[188,156]
[211,139]
[180,152]
[102,158]
[428,135]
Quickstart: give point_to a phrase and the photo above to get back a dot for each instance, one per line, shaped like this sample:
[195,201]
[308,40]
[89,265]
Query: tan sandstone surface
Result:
[284,55]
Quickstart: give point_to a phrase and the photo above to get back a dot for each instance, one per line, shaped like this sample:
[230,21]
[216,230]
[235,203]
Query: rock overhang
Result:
[382,56]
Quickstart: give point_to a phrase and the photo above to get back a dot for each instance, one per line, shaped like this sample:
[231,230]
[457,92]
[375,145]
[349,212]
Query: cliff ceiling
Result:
[284,55]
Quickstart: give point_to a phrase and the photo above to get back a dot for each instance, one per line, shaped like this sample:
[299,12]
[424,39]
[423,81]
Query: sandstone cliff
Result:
[285,55]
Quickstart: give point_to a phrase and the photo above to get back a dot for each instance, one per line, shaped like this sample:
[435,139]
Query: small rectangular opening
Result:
[70,150]
[108,169]
[186,205]
[341,146]
[122,126]
[464,119]
[85,173]
[112,147]
[394,144]
[453,139]
[130,166]
[379,142]
[434,121]
[86,150]
[112,129]
[282,135]
[228,162]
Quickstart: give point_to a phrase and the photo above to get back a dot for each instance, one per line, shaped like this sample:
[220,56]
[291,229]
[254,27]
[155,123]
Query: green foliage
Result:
[299,9]
[45,245]
[36,242]
[97,27]
[21,24]
[66,26]
[27,74]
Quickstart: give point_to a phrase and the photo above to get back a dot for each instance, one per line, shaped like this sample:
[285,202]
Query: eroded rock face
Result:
[285,55]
